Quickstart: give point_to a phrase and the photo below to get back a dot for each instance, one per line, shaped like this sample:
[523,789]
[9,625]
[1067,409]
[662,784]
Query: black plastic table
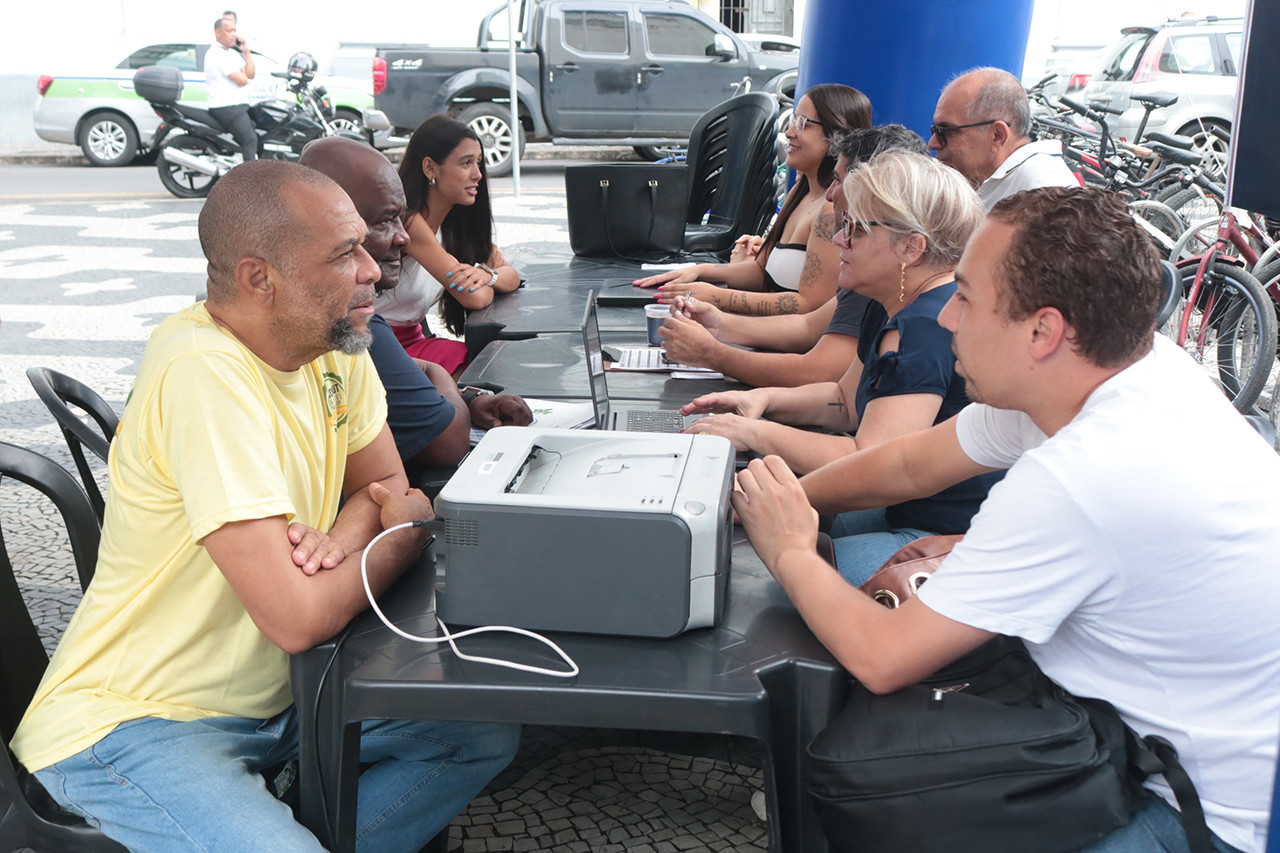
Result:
[553,367]
[759,674]
[553,298]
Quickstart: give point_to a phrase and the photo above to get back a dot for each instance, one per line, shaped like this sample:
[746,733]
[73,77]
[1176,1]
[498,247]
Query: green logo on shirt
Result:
[335,400]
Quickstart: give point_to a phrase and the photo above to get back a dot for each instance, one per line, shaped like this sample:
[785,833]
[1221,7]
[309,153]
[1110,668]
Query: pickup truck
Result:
[624,72]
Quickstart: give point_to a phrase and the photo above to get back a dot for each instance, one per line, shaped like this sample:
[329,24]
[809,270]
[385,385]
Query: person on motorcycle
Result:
[228,68]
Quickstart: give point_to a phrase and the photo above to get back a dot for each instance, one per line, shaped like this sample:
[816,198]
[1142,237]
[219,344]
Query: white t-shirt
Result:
[413,297]
[1034,165]
[219,63]
[1137,551]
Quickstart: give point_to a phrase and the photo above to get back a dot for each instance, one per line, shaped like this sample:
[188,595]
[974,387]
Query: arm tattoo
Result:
[824,224]
[812,269]
[788,303]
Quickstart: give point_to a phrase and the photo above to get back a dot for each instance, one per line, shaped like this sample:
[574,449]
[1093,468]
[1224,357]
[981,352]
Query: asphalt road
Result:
[67,181]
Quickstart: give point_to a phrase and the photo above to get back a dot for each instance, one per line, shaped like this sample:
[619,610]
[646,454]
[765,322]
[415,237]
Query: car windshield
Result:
[180,56]
[1124,59]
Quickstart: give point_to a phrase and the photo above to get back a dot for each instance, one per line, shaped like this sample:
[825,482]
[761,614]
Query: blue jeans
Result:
[1157,828]
[863,540]
[155,784]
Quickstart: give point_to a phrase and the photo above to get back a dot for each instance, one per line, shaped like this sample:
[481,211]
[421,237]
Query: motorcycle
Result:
[193,149]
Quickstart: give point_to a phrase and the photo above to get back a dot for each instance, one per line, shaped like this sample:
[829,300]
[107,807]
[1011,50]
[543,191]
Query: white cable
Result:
[449,637]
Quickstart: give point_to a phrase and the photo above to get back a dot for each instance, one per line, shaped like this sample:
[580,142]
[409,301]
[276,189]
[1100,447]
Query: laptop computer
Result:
[626,418]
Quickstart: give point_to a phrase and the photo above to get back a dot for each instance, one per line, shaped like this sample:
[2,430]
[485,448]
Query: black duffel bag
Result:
[986,755]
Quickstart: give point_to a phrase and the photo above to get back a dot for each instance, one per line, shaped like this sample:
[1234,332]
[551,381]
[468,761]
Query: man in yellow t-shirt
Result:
[254,414]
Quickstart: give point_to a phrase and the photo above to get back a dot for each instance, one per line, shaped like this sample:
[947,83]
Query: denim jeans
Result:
[160,785]
[1157,828]
[863,540]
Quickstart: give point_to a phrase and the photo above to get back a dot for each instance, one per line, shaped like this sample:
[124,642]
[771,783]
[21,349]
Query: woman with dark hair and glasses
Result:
[451,260]
[907,222]
[794,270]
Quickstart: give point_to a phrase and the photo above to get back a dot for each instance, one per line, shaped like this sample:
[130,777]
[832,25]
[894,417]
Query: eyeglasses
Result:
[799,122]
[941,130]
[848,226]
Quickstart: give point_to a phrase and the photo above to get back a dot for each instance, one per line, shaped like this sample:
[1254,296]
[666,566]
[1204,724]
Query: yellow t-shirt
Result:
[210,435]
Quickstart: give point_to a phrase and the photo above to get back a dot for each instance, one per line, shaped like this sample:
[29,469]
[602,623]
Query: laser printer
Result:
[587,531]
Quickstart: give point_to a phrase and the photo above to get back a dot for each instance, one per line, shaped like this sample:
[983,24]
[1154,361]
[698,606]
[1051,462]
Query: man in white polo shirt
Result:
[228,68]
[980,129]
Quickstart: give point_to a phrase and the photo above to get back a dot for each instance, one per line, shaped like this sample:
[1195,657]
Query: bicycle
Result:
[1227,319]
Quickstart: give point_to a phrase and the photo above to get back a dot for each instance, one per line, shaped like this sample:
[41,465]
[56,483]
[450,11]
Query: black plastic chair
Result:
[29,818]
[732,165]
[56,391]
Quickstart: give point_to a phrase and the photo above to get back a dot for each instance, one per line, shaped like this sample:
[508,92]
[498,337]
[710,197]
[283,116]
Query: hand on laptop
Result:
[749,404]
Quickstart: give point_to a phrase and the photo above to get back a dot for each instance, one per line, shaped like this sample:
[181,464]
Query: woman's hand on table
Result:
[698,290]
[465,277]
[683,274]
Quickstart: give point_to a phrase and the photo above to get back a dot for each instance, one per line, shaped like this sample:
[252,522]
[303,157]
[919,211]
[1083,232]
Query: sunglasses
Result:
[799,122]
[941,130]
[849,226]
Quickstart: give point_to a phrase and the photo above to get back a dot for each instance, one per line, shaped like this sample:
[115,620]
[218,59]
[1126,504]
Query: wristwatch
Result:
[493,275]
[470,392]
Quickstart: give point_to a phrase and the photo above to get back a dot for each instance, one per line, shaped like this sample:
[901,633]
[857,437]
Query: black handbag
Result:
[629,210]
[988,754]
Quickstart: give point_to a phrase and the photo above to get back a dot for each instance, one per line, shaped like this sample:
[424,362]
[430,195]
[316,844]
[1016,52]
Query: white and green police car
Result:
[111,124]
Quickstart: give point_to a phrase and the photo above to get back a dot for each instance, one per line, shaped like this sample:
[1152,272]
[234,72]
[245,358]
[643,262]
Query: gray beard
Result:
[344,337]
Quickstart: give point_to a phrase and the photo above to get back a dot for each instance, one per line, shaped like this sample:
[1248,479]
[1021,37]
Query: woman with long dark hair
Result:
[451,260]
[794,270]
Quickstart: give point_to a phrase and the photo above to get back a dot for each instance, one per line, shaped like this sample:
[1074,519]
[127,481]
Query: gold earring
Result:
[902,285]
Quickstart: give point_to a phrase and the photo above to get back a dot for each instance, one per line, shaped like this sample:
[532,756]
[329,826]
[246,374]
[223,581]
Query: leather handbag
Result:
[986,754]
[908,568]
[628,210]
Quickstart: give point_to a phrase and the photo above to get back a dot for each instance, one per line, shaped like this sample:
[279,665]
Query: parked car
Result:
[111,124]
[771,42]
[1196,59]
[619,72]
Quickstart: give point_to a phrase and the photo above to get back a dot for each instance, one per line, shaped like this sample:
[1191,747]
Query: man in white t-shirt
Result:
[228,68]
[981,129]
[1133,541]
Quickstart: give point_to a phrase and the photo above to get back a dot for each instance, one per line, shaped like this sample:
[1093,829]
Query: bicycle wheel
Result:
[1231,330]
[1194,206]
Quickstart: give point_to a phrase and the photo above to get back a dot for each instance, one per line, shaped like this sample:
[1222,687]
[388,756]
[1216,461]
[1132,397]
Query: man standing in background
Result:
[228,68]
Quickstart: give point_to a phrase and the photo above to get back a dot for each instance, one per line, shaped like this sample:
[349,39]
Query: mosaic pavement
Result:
[82,284]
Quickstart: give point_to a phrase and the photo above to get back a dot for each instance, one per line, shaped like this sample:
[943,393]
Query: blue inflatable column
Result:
[901,53]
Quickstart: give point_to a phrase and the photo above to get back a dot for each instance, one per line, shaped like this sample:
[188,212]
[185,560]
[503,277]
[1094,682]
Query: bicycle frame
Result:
[1228,232]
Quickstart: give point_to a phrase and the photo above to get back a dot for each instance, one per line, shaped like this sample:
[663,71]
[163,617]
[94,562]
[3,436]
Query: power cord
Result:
[448,636]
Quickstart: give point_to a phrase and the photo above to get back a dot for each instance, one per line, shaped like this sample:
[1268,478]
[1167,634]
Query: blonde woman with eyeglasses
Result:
[794,269]
[907,222]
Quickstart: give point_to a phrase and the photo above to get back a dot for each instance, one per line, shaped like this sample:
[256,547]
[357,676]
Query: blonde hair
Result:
[913,194]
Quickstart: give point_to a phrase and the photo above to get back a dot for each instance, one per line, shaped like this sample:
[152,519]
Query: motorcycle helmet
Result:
[302,66]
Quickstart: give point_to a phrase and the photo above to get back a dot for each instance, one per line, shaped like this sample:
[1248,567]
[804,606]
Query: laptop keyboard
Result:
[654,420]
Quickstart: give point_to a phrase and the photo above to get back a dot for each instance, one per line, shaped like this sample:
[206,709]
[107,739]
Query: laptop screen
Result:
[595,362]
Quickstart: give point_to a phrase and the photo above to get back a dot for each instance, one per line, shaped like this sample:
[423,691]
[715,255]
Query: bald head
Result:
[252,211]
[993,93]
[375,189]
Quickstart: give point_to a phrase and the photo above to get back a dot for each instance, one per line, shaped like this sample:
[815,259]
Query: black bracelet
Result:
[469,393]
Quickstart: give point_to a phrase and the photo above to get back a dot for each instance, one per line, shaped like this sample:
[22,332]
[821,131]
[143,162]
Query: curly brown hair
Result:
[1080,251]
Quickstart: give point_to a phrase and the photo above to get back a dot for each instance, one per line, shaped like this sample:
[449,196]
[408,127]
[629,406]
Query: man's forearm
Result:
[912,466]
